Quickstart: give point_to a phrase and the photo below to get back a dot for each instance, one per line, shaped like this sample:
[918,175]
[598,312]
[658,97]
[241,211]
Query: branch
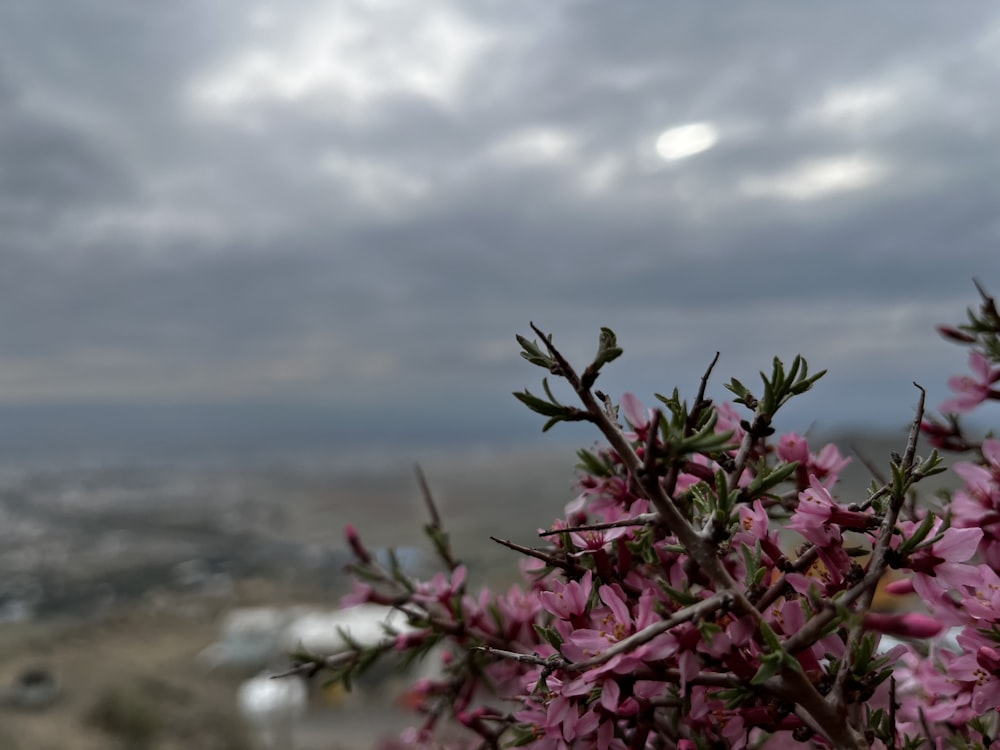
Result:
[625,645]
[878,564]
[435,530]
[692,612]
[699,549]
[425,491]
[643,519]
[563,564]
[702,551]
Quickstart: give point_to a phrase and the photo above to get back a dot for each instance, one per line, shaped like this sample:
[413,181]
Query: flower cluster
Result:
[709,589]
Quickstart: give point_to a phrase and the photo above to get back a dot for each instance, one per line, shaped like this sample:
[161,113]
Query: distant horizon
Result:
[89,434]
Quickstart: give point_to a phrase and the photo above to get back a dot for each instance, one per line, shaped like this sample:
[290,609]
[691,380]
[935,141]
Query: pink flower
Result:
[982,601]
[636,414]
[361,593]
[613,624]
[440,588]
[972,391]
[974,672]
[819,518]
[827,464]
[793,447]
[596,539]
[753,528]
[568,600]
[940,566]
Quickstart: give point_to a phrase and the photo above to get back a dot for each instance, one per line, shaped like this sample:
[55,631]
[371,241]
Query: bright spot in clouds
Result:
[686,140]
[817,179]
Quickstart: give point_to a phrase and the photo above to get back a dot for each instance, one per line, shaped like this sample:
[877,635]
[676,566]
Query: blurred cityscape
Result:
[116,580]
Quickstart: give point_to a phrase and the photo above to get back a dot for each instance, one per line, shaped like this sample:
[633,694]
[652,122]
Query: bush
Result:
[664,612]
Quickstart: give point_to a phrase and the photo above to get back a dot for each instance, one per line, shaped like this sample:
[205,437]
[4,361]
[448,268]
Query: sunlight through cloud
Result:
[686,140]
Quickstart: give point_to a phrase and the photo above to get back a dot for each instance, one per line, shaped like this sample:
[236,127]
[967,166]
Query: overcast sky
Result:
[348,208]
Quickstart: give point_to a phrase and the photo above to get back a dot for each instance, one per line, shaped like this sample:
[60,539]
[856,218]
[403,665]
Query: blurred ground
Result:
[115,578]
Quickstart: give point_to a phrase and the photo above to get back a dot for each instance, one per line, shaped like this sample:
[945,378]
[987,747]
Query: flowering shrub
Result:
[709,589]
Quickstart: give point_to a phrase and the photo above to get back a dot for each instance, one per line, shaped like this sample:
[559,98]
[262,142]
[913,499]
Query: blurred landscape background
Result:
[257,259]
[116,578]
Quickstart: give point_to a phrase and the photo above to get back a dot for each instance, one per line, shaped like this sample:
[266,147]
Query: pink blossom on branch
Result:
[585,654]
[973,389]
[825,465]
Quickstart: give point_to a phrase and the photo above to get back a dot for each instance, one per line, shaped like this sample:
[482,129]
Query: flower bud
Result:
[910,625]
[956,335]
[902,587]
[354,541]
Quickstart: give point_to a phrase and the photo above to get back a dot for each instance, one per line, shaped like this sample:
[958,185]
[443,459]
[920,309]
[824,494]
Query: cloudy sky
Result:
[340,212]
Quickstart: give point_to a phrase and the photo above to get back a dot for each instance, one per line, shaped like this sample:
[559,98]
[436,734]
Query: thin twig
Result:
[435,530]
[692,612]
[533,658]
[425,491]
[892,712]
[649,459]
[926,726]
[704,381]
[777,589]
[868,464]
[643,519]
[563,564]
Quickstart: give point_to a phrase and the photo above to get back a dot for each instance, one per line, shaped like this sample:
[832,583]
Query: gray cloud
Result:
[357,205]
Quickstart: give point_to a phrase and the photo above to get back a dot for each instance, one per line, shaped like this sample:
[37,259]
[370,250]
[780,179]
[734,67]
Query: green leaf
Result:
[766,480]
[439,538]
[550,636]
[863,656]
[804,385]
[931,465]
[919,535]
[794,372]
[539,406]
[770,665]
[608,355]
[551,423]
[533,354]
[770,637]
[592,464]
[548,392]
[708,630]
[683,598]
[607,348]
[738,388]
[758,576]
[900,480]
[523,734]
